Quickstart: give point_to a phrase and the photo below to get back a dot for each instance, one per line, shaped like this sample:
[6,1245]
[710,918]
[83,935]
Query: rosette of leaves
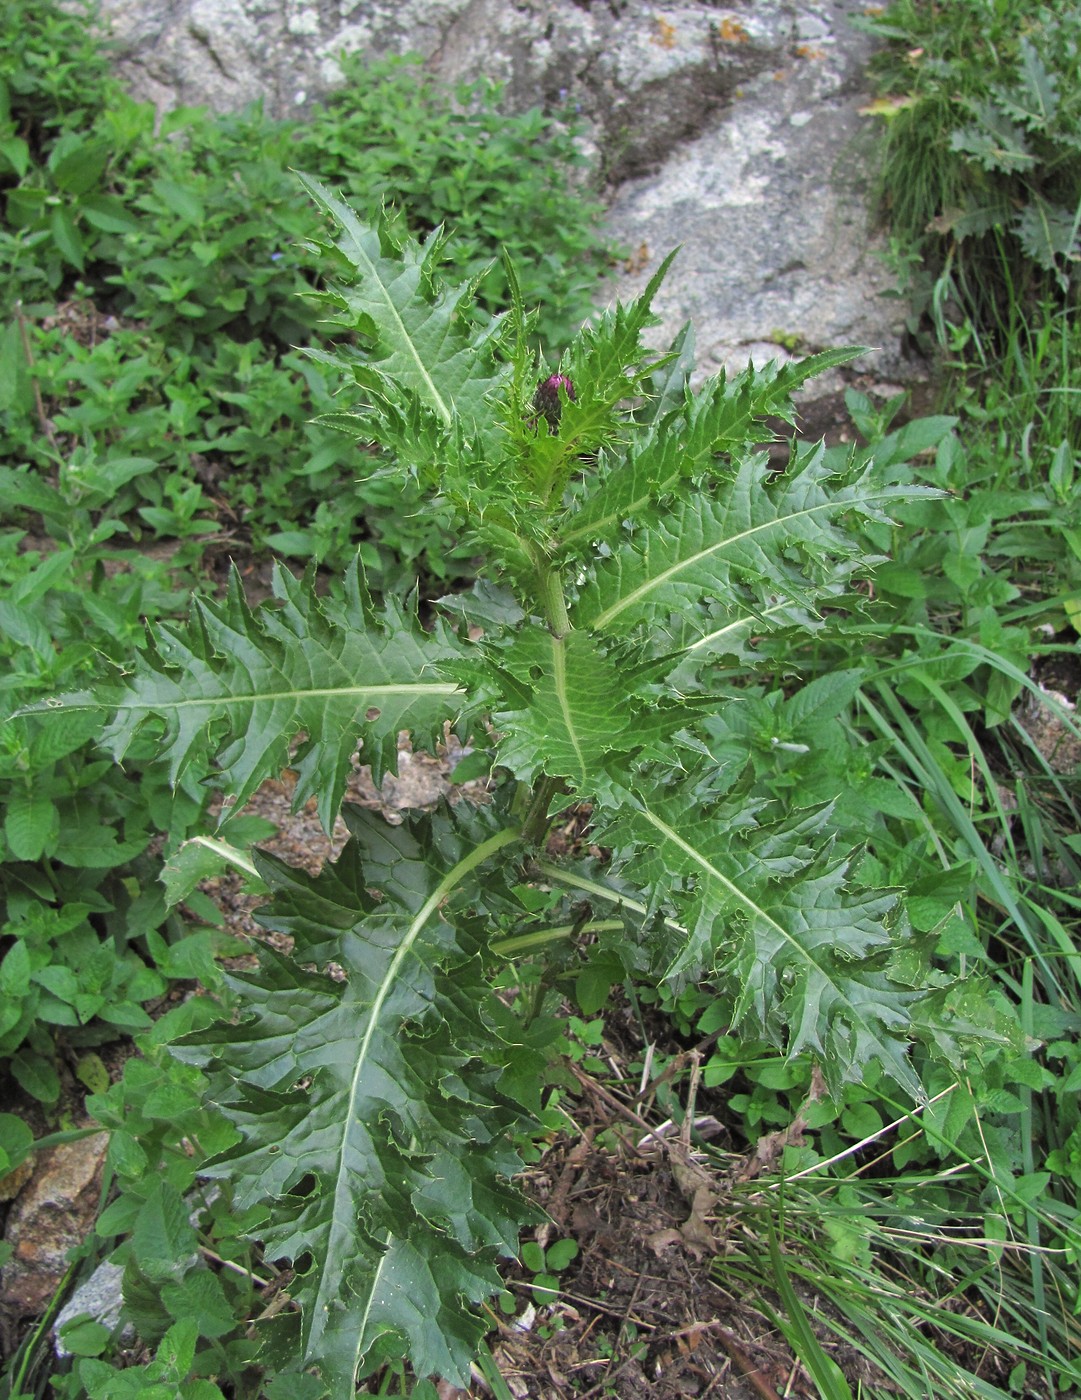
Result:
[642,556]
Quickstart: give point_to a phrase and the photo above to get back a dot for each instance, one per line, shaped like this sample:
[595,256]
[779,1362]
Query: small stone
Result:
[1044,725]
[100,1297]
[53,1214]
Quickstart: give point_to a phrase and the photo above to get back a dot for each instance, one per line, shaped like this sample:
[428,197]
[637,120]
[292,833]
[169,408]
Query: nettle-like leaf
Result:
[235,688]
[364,1077]
[994,141]
[1034,100]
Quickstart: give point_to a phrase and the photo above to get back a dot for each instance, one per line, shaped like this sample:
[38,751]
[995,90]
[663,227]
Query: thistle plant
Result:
[642,558]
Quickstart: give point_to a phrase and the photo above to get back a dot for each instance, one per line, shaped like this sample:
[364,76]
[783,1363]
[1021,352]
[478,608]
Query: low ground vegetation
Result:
[809,874]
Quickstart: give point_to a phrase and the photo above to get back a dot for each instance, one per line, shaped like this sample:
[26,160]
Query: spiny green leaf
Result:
[420,343]
[770,531]
[603,352]
[724,416]
[565,710]
[235,687]
[767,908]
[367,1093]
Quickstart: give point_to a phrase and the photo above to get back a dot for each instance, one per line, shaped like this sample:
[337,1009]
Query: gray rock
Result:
[642,76]
[770,207]
[100,1298]
[733,131]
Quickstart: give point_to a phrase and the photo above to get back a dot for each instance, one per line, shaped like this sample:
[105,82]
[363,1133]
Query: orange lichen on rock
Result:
[665,36]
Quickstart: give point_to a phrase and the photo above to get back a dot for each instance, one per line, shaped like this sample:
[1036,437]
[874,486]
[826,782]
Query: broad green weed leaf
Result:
[31,824]
[176,1351]
[14,378]
[180,200]
[163,1238]
[994,141]
[200,1297]
[15,970]
[200,858]
[16,1140]
[65,233]
[1034,101]
[37,1075]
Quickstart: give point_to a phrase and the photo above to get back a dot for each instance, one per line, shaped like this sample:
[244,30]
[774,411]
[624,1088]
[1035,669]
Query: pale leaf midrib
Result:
[267,696]
[650,585]
[334,1267]
[579,882]
[748,618]
[559,677]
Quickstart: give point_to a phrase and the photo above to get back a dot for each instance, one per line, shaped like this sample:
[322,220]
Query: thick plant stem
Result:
[536,823]
[555,605]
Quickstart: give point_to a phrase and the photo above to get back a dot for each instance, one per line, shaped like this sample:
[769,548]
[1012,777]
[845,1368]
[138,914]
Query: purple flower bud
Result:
[546,399]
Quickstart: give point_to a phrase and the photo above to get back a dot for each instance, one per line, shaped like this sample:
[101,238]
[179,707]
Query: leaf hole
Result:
[535,673]
[372,713]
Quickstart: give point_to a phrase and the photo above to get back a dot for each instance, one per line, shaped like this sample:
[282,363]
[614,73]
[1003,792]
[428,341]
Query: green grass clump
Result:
[981,165]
